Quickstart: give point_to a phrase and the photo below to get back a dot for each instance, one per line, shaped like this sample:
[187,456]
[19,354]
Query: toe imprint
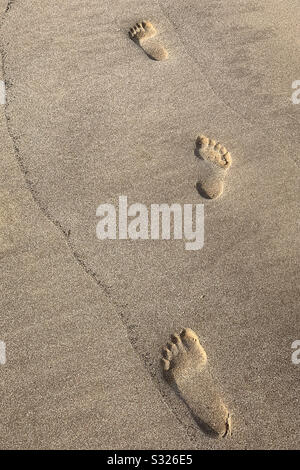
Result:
[143,30]
[213,151]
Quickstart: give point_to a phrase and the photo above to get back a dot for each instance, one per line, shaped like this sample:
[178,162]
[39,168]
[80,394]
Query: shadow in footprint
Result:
[201,191]
[204,427]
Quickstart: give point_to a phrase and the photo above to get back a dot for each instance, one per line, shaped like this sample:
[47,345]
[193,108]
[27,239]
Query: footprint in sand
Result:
[143,34]
[184,364]
[214,161]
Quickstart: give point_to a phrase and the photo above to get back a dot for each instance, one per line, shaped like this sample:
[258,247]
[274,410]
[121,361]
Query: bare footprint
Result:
[214,162]
[143,34]
[184,364]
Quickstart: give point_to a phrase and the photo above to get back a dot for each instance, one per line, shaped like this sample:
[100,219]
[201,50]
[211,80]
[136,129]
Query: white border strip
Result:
[2,92]
[2,353]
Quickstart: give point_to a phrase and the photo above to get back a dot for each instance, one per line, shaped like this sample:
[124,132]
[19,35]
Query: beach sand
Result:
[89,117]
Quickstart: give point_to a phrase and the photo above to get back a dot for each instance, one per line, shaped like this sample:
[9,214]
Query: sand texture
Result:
[164,103]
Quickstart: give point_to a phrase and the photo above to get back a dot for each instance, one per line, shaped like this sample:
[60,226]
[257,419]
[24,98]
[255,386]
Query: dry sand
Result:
[90,117]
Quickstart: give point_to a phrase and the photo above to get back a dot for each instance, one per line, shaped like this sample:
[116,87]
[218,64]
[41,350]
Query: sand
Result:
[89,117]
